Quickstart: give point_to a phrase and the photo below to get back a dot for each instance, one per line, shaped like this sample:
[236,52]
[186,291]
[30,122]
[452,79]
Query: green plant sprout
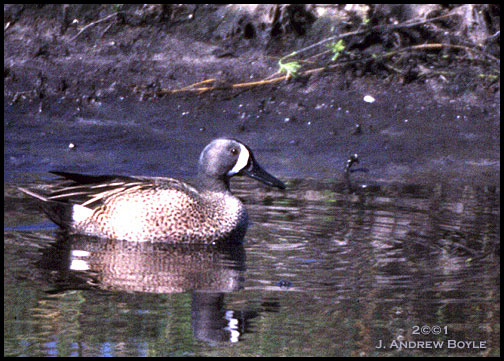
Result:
[289,68]
[336,48]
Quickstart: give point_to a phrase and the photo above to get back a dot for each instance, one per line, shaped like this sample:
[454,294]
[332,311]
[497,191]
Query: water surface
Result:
[322,272]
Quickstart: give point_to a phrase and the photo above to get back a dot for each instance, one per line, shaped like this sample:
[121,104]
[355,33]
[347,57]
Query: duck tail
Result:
[58,212]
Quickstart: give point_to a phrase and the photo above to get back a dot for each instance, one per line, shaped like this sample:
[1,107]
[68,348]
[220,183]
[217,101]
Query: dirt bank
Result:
[114,81]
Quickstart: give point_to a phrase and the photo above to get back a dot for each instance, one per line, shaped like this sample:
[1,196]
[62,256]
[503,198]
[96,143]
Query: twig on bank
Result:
[94,23]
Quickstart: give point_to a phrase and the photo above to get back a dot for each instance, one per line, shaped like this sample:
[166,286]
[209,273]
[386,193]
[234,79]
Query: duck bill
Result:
[256,172]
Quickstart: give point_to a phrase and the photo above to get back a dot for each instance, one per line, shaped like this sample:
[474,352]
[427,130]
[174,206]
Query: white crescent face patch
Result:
[242,161]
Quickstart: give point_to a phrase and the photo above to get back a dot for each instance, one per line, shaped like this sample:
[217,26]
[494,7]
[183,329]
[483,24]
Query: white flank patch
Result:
[80,213]
[241,162]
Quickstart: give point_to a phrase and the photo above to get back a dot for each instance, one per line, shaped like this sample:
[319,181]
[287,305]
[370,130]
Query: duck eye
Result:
[234,151]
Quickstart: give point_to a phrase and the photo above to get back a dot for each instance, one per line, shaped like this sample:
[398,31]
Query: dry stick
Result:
[235,86]
[199,83]
[94,23]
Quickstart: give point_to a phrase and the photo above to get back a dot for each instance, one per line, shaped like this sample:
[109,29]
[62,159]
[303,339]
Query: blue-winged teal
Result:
[158,209]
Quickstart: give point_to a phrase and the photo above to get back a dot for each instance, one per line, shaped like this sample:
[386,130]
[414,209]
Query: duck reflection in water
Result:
[206,271]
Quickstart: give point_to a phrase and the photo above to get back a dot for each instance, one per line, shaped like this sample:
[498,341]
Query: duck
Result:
[158,209]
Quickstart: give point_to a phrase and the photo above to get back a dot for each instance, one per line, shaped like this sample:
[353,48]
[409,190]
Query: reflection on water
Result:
[322,272]
[154,267]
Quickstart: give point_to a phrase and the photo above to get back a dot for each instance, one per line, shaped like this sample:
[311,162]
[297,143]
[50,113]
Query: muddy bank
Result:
[82,75]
